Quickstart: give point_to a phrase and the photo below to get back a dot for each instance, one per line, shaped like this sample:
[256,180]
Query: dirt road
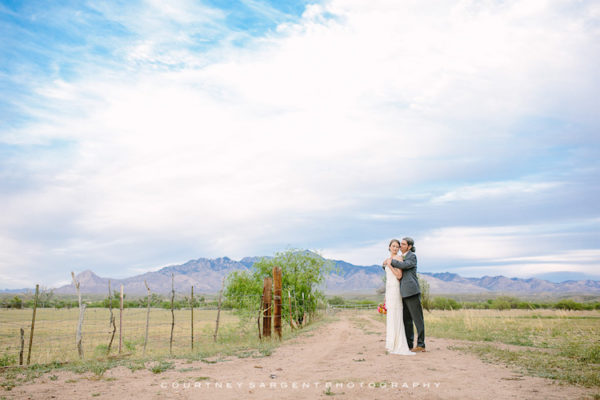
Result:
[343,359]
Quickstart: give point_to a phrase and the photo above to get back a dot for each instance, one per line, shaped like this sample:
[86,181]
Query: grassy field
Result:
[55,332]
[562,345]
[54,345]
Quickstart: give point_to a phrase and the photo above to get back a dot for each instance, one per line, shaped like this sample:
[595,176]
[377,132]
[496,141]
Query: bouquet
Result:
[381,308]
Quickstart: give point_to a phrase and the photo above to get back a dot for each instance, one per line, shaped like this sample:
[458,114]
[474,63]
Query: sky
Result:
[138,134]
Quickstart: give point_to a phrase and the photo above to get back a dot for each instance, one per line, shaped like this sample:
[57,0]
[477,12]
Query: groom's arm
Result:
[408,263]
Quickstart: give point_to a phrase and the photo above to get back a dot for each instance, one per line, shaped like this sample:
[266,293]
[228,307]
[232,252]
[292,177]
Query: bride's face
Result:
[394,248]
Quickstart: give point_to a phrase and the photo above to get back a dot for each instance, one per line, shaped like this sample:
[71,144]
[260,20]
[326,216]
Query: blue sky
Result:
[139,134]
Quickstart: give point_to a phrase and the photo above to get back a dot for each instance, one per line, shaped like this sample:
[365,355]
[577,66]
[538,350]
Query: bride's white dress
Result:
[395,340]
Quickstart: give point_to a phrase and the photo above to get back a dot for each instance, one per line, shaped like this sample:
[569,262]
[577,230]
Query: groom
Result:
[411,294]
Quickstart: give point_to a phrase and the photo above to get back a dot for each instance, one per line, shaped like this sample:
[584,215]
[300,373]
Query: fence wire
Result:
[54,335]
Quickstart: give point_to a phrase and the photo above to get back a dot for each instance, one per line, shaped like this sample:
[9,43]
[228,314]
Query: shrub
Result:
[7,359]
[568,305]
[15,302]
[443,303]
[500,304]
[336,301]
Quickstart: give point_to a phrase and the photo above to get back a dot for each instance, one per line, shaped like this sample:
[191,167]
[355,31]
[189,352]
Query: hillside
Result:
[207,276]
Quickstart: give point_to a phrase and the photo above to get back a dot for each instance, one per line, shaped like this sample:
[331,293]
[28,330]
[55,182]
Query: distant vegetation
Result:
[434,303]
[498,303]
[299,281]
[49,300]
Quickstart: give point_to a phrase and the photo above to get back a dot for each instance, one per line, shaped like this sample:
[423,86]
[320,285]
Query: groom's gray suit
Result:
[411,299]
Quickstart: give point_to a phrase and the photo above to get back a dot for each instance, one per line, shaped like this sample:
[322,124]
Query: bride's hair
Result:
[392,241]
[411,242]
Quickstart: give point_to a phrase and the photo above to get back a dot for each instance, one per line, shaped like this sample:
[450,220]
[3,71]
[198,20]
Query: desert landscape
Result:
[341,355]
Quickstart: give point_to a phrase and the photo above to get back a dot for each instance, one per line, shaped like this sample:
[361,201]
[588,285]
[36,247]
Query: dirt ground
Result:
[344,359]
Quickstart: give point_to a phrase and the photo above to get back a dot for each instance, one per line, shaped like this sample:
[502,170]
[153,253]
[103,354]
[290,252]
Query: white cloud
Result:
[526,270]
[236,150]
[494,189]
[570,257]
[521,251]
[372,253]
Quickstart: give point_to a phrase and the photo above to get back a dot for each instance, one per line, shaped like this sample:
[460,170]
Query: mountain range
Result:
[206,275]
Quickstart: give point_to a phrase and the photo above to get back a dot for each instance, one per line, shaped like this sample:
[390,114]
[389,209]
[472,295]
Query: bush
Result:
[426,302]
[336,301]
[16,302]
[568,305]
[500,304]
[443,303]
[365,302]
[523,305]
[7,359]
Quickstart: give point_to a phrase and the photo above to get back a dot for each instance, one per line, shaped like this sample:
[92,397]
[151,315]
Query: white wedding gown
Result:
[395,339]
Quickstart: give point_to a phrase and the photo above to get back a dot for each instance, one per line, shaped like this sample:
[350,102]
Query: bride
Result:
[395,342]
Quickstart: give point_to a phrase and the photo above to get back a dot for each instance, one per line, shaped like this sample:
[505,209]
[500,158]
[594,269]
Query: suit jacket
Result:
[409,284]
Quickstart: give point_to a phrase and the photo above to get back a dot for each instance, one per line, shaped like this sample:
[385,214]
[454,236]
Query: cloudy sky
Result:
[137,134]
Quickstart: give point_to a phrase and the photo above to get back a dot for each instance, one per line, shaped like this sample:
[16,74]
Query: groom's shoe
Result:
[419,349]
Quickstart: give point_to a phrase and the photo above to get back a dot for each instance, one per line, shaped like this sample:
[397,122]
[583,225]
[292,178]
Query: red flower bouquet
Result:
[381,309]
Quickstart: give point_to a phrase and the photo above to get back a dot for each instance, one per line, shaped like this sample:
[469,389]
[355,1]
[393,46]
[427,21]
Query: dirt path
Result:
[348,355]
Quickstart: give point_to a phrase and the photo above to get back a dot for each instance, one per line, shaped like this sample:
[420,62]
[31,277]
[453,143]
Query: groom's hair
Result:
[411,242]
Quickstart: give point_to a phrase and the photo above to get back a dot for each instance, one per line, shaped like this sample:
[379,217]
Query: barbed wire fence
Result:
[70,334]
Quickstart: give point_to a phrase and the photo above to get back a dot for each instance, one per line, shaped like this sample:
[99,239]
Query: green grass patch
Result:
[555,344]
[161,367]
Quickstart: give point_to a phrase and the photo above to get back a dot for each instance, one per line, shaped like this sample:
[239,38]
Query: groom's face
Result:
[403,246]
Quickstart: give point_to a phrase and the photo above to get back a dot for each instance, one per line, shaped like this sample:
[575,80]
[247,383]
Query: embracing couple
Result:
[403,299]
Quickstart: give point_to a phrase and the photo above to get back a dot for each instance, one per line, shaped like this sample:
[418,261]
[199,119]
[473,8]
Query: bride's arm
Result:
[396,271]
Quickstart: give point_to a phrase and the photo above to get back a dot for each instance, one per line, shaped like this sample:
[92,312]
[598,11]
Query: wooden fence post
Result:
[111,320]
[147,317]
[303,310]
[291,311]
[258,319]
[192,309]
[22,346]
[277,300]
[37,292]
[121,321]
[172,313]
[79,338]
[219,311]
[307,316]
[267,307]
[297,321]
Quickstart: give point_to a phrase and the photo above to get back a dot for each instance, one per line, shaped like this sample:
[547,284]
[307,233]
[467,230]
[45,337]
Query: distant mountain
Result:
[354,278]
[24,290]
[563,276]
[207,276]
[509,285]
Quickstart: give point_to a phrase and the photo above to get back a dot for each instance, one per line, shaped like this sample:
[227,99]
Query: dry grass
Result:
[54,334]
[557,344]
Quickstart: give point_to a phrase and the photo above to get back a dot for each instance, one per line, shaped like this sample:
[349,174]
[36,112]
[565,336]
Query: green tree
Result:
[336,301]
[505,303]
[568,305]
[45,297]
[426,302]
[16,302]
[443,303]
[303,274]
[501,304]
